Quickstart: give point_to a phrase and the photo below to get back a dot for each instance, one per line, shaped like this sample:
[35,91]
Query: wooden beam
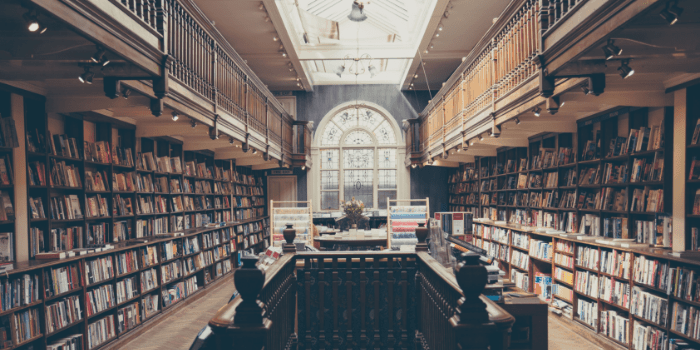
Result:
[167,128]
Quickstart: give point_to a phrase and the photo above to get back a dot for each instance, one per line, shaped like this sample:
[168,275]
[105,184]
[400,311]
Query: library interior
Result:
[350,174]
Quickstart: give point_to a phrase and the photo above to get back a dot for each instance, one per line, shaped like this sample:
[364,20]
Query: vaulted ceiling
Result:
[294,45]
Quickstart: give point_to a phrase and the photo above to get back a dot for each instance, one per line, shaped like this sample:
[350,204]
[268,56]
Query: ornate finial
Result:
[249,280]
[472,279]
[422,235]
[289,234]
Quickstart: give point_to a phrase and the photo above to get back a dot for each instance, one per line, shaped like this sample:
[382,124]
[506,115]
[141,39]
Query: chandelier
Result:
[356,13]
[357,65]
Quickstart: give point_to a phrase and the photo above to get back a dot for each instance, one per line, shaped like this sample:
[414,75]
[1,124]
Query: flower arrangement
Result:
[353,210]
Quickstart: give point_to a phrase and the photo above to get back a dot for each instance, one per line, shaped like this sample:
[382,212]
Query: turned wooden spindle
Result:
[289,234]
[422,235]
[250,327]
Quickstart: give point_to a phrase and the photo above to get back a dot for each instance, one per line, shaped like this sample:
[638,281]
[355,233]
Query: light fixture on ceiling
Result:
[611,50]
[372,71]
[440,27]
[413,166]
[275,38]
[481,137]
[298,83]
[100,57]
[261,6]
[356,12]
[291,66]
[303,167]
[230,140]
[126,92]
[437,35]
[625,70]
[536,111]
[431,46]
[339,70]
[357,65]
[175,116]
[267,18]
[517,121]
[193,123]
[426,51]
[585,90]
[87,76]
[33,24]
[471,142]
[415,76]
[255,151]
[671,12]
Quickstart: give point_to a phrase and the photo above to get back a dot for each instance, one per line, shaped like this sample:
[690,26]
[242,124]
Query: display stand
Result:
[297,213]
[402,220]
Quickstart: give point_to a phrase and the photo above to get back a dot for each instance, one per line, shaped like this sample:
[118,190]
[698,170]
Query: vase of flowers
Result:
[353,211]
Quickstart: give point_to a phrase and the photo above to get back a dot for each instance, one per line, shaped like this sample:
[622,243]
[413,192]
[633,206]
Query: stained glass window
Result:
[353,164]
[359,184]
[329,158]
[329,180]
[384,134]
[387,157]
[358,137]
[346,119]
[331,136]
[360,158]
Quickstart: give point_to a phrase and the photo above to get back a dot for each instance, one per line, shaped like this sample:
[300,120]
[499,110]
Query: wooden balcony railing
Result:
[144,10]
[556,10]
[380,300]
[502,60]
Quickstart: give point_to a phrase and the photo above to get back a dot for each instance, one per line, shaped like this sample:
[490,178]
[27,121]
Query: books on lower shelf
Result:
[99,269]
[649,306]
[615,325]
[150,305]
[100,299]
[587,257]
[19,291]
[614,291]
[60,280]
[72,342]
[128,317]
[648,337]
[650,272]
[520,279]
[171,271]
[540,249]
[127,289]
[587,312]
[27,325]
[520,259]
[543,286]
[63,313]
[175,293]
[564,276]
[101,331]
[587,283]
[149,280]
[66,208]
[562,292]
[616,263]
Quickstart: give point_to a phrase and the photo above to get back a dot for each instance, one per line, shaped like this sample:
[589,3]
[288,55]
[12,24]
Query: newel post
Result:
[289,234]
[471,321]
[422,235]
[250,326]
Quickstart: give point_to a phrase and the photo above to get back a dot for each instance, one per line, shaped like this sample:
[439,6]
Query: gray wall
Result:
[313,106]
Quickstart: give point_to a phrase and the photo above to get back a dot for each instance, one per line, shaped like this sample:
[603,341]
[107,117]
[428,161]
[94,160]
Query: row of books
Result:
[63,313]
[643,171]
[100,331]
[614,291]
[64,175]
[128,317]
[19,291]
[615,325]
[649,306]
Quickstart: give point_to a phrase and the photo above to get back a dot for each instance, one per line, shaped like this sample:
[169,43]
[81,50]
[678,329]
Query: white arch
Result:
[403,176]
[346,105]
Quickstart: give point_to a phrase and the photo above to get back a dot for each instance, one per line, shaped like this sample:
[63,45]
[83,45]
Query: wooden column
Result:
[20,181]
[679,148]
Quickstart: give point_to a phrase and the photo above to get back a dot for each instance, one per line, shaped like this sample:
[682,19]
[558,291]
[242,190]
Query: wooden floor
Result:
[178,329]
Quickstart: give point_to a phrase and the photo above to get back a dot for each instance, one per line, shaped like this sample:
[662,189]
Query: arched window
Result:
[358,149]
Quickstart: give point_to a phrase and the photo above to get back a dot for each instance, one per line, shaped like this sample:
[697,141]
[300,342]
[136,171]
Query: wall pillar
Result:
[679,148]
[19,165]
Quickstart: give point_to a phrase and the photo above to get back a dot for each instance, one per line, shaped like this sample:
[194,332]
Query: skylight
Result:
[325,39]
